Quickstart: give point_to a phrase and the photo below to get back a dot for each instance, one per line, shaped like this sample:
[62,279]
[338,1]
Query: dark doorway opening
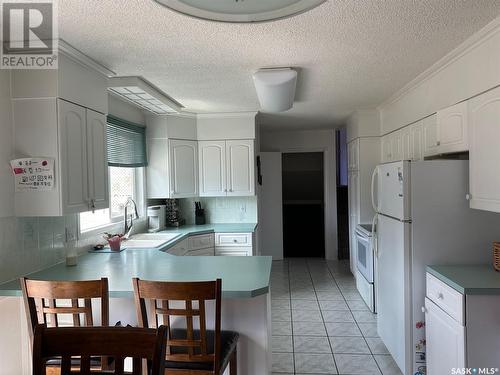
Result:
[303,205]
[342,194]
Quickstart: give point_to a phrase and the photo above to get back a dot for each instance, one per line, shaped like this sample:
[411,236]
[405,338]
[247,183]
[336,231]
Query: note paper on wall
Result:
[33,174]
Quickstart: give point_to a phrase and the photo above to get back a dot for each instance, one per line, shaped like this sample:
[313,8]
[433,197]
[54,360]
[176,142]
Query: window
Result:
[124,183]
[126,144]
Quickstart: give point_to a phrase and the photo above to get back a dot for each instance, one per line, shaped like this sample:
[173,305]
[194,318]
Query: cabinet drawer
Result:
[201,252]
[447,298]
[233,239]
[201,241]
[233,251]
[180,248]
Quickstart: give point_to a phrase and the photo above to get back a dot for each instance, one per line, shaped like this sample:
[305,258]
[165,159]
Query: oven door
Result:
[364,260]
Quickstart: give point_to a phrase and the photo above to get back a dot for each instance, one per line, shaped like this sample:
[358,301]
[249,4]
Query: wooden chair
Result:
[41,299]
[190,351]
[84,342]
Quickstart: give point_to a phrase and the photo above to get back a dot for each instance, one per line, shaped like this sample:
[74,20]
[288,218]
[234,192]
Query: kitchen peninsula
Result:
[245,292]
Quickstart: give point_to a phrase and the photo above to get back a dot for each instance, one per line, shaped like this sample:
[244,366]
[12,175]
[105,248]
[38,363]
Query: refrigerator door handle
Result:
[374,236]
[376,208]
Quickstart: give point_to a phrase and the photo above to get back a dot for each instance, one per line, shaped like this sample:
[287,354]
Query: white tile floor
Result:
[320,323]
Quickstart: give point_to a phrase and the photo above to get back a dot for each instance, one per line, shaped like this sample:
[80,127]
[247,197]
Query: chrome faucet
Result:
[134,215]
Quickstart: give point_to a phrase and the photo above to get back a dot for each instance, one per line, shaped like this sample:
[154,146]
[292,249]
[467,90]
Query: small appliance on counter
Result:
[156,218]
[199,214]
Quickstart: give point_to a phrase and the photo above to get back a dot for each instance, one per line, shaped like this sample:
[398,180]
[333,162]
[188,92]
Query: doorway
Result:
[342,194]
[303,204]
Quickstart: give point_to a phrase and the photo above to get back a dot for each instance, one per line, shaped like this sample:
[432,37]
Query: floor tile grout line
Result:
[356,322]
[322,317]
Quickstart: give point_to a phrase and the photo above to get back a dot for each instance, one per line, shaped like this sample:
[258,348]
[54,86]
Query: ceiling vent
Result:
[143,94]
[275,88]
[240,10]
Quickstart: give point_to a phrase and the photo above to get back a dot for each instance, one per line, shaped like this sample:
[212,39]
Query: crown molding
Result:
[76,55]
[465,47]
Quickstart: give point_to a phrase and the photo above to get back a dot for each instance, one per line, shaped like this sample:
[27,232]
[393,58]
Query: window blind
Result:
[126,143]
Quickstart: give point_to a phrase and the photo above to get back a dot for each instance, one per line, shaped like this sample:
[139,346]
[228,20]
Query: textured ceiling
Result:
[351,53]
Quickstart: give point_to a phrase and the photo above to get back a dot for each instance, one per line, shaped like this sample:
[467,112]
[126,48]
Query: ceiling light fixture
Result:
[275,88]
[143,94]
[241,10]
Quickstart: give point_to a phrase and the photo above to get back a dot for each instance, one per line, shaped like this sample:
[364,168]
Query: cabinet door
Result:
[406,144]
[397,146]
[452,129]
[183,168]
[97,160]
[158,178]
[353,191]
[430,133]
[74,166]
[484,152]
[417,140]
[445,341]
[240,167]
[212,161]
[386,149]
[353,155]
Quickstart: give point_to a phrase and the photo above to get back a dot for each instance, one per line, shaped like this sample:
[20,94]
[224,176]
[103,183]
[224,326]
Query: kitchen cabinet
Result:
[183,168]
[353,155]
[353,191]
[484,154]
[386,149]
[430,136]
[172,170]
[234,244]
[406,143]
[462,306]
[452,129]
[416,139]
[226,168]
[75,137]
[446,339]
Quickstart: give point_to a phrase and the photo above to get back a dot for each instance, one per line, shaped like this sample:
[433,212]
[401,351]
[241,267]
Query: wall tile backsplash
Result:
[221,210]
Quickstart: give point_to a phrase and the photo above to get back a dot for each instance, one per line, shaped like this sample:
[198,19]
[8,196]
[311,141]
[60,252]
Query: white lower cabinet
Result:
[445,341]
[234,244]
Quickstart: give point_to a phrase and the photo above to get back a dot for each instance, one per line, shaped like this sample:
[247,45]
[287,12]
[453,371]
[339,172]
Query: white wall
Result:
[310,141]
[6,142]
[363,123]
[226,126]
[125,111]
[472,68]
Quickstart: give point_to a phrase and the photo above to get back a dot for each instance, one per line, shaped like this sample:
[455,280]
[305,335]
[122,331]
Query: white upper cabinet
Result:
[353,155]
[227,168]
[406,144]
[212,161]
[386,149]
[74,172]
[430,136]
[97,159]
[240,167]
[452,129]
[75,137]
[416,139]
[484,155]
[183,168]
[396,146]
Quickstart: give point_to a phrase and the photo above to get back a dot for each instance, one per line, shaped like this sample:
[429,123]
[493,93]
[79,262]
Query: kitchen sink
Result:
[148,240]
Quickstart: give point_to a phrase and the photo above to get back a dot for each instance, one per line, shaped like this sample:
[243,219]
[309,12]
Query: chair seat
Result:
[229,340]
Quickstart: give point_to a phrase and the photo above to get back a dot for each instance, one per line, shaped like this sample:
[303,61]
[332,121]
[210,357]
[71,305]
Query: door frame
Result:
[330,205]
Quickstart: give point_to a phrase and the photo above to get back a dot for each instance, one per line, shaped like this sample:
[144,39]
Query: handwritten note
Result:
[33,174]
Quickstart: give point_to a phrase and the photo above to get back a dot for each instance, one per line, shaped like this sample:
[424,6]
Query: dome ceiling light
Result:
[240,10]
[275,88]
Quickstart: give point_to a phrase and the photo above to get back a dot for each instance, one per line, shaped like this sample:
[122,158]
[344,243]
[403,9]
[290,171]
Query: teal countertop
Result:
[242,277]
[473,279]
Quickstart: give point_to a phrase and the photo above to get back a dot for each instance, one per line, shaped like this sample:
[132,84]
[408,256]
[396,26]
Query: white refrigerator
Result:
[423,218]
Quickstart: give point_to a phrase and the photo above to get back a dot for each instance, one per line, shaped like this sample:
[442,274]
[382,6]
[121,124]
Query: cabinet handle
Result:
[438,143]
[468,197]
[235,240]
[424,310]
[440,296]
[230,190]
[92,205]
